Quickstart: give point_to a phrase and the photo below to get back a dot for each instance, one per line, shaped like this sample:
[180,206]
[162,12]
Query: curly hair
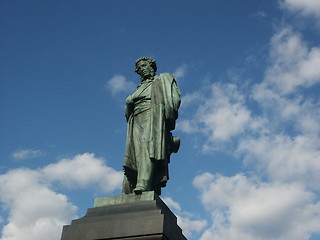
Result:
[147,59]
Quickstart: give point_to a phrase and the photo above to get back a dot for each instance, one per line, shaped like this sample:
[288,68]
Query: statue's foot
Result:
[139,190]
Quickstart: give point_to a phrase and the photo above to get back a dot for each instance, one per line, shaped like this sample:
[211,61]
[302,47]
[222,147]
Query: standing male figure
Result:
[151,113]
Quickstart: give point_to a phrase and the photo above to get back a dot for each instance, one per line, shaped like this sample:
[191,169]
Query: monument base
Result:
[127,217]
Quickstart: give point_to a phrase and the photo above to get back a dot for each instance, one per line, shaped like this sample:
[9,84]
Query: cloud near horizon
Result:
[246,208]
[36,210]
[185,220]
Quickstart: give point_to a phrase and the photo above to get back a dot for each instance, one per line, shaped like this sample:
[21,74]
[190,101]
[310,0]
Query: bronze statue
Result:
[151,113]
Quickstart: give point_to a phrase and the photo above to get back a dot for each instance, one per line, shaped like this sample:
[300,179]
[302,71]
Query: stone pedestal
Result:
[127,217]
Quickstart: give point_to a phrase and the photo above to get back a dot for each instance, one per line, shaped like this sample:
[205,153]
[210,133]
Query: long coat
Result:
[164,105]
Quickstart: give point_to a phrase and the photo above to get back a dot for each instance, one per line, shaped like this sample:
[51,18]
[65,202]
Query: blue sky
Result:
[249,73]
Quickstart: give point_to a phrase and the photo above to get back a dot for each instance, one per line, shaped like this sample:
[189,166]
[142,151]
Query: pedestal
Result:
[127,217]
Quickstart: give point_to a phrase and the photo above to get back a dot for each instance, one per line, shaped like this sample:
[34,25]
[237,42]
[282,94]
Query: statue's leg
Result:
[144,165]
[145,176]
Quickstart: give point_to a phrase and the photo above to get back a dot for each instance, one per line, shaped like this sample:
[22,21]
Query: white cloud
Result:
[220,116]
[184,219]
[189,226]
[225,121]
[119,83]
[188,126]
[299,112]
[288,149]
[171,203]
[224,113]
[306,7]
[284,158]
[281,141]
[276,130]
[293,63]
[84,170]
[190,98]
[261,14]
[26,153]
[244,208]
[35,210]
[180,71]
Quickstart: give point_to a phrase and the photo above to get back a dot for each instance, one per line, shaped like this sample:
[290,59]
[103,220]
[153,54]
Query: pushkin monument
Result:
[151,113]
[139,213]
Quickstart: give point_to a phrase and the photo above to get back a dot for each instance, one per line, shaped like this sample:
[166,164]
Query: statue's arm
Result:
[176,99]
[173,91]
[172,100]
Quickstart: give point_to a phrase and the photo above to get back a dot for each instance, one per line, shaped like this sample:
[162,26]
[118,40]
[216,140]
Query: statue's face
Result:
[145,69]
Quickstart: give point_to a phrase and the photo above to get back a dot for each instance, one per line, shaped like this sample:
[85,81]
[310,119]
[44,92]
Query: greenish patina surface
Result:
[126,198]
[151,113]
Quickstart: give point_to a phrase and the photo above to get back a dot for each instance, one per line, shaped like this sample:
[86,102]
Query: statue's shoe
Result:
[139,190]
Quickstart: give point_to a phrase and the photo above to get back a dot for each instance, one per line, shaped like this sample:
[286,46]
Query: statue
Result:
[151,113]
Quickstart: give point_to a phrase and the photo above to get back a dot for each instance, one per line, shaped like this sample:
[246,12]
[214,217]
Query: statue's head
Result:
[146,67]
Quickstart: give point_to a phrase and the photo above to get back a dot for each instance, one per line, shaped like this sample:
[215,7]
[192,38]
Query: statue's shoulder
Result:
[167,76]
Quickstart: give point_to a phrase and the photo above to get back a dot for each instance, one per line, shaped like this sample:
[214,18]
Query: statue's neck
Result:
[147,79]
